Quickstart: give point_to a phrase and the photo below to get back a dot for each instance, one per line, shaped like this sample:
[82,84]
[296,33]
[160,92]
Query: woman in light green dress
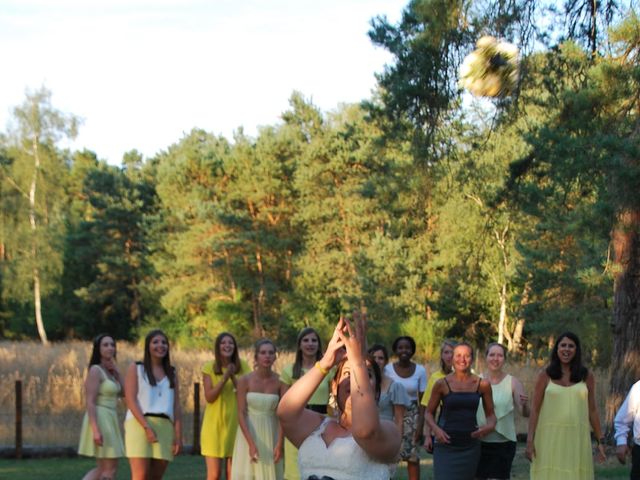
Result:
[100,435]
[308,352]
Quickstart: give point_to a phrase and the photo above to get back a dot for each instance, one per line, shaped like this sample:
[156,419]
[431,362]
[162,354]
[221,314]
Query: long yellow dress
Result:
[220,421]
[263,425]
[563,435]
[107,418]
[319,397]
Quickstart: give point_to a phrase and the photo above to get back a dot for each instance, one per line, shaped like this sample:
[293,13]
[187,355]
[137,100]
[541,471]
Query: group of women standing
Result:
[152,425]
[377,415]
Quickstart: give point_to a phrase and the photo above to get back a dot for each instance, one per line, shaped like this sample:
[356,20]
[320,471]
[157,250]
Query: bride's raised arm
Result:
[298,422]
[380,439]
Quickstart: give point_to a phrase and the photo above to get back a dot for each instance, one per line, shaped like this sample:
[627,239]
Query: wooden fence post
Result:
[196,419]
[18,419]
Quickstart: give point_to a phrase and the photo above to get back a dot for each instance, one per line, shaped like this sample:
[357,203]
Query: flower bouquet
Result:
[491,70]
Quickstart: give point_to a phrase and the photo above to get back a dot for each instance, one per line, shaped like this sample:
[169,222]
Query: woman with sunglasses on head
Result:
[457,435]
[100,436]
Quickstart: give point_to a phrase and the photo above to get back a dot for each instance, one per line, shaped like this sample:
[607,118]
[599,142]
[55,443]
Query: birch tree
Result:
[36,130]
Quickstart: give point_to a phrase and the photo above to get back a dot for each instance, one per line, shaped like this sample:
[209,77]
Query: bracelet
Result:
[323,371]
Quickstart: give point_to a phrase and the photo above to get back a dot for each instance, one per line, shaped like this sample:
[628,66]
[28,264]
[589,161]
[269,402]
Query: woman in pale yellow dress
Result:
[100,436]
[220,421]
[257,454]
[563,410]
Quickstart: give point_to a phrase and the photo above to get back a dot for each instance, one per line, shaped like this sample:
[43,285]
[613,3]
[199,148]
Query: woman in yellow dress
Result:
[446,362]
[308,352]
[220,421]
[563,409]
[100,436]
[258,450]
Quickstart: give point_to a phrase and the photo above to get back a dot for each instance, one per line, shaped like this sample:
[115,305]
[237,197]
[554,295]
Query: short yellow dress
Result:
[263,425]
[107,417]
[319,397]
[220,421]
[563,435]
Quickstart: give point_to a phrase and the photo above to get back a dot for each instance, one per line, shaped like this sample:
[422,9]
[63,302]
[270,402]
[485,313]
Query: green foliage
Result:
[442,215]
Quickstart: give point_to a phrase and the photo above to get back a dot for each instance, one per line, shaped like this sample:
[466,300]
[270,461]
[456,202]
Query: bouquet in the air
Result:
[491,70]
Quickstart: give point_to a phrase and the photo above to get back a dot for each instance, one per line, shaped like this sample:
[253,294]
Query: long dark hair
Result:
[169,371]
[95,353]
[578,371]
[297,364]
[379,347]
[235,358]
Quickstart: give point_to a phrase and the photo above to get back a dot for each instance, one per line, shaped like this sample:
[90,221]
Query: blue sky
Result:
[141,73]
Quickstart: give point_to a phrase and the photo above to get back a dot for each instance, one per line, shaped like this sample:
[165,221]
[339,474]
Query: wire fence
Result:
[52,390]
[35,428]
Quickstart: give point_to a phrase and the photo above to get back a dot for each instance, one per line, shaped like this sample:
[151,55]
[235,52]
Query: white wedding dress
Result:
[342,459]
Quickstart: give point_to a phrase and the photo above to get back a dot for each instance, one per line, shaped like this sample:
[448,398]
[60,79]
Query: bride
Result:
[358,444]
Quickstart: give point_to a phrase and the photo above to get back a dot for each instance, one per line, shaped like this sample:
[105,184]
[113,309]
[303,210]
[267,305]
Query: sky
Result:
[142,73]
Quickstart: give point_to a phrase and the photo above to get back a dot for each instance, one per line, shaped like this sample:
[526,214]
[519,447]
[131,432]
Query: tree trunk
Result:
[34,244]
[626,311]
[502,320]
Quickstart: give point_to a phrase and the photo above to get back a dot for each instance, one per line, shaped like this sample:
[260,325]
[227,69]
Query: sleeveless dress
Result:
[458,459]
[343,459]
[220,421]
[318,403]
[563,435]
[263,425]
[498,448]
[107,418]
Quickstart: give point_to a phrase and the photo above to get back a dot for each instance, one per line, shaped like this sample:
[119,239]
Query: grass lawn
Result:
[192,467]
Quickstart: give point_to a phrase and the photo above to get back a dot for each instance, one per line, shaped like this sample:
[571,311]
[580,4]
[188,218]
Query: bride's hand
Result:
[354,338]
[335,349]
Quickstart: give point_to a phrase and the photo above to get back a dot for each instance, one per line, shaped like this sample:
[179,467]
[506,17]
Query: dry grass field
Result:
[53,387]
[53,398]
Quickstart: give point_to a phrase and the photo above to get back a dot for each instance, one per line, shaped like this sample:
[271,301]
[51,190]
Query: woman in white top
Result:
[357,444]
[413,378]
[153,434]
